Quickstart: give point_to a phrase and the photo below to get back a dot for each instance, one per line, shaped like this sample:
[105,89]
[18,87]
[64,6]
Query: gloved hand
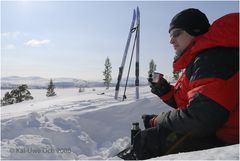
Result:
[148,120]
[147,144]
[154,142]
[161,87]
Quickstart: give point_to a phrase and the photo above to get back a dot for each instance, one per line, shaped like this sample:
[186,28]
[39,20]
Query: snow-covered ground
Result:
[87,125]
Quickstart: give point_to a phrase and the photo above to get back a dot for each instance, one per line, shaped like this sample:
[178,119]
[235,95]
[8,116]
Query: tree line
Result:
[21,93]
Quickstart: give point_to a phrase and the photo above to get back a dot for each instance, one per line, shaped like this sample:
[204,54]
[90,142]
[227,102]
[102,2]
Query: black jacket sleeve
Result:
[202,117]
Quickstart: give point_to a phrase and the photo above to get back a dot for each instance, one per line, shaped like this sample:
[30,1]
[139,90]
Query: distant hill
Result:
[36,82]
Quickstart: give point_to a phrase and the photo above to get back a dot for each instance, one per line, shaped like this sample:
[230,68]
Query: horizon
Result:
[36,82]
[55,78]
[54,39]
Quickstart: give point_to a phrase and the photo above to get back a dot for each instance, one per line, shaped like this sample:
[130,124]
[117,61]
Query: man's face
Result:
[180,40]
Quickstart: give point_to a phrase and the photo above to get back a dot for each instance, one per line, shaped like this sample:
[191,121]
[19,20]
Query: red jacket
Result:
[210,81]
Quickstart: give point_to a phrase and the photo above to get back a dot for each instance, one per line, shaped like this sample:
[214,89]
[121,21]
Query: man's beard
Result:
[178,54]
[176,57]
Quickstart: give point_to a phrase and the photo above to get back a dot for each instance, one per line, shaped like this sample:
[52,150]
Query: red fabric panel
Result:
[181,89]
[224,92]
[168,95]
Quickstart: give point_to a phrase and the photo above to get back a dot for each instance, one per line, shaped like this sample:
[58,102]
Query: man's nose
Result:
[172,40]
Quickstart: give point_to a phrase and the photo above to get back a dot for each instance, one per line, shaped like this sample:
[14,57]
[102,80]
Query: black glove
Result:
[160,88]
[148,120]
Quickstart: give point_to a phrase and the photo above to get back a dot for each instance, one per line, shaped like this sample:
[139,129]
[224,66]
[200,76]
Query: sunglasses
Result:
[176,33]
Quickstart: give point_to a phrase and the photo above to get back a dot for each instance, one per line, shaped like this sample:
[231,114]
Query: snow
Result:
[86,125]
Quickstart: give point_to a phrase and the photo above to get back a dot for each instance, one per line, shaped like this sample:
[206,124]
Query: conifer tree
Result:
[50,89]
[7,99]
[107,73]
[81,89]
[16,95]
[152,67]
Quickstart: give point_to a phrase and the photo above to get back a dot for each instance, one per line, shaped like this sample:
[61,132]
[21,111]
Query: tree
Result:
[7,99]
[50,89]
[81,89]
[152,67]
[16,95]
[176,75]
[107,73]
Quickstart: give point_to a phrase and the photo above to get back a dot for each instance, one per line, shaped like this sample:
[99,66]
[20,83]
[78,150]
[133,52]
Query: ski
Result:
[127,154]
[137,54]
[125,55]
[130,63]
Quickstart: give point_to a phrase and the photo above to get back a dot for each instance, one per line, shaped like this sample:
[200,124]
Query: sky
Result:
[54,39]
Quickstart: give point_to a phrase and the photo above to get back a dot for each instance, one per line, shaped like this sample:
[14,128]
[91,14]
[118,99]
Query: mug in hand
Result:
[156,77]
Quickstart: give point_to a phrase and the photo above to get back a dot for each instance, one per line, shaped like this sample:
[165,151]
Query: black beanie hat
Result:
[193,21]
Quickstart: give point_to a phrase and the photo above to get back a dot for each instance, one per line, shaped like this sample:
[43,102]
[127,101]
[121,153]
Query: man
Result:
[205,98]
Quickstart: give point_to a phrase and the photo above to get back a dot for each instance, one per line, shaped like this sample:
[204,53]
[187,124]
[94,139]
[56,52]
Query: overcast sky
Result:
[72,39]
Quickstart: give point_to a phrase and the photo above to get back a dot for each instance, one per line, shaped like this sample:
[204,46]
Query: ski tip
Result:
[138,12]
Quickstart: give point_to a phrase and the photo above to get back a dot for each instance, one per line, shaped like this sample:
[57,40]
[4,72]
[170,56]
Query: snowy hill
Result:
[42,83]
[87,125]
